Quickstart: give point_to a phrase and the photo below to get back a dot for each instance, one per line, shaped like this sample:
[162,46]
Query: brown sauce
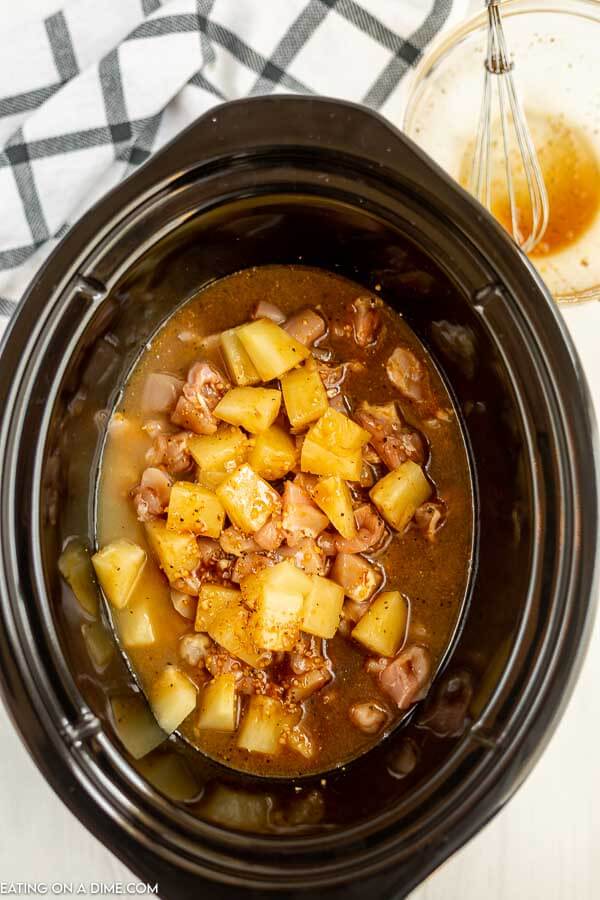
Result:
[433,575]
[571,172]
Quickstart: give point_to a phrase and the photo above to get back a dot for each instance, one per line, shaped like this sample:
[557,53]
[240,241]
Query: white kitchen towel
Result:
[89,92]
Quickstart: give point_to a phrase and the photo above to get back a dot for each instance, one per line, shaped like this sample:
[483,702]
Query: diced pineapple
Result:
[134,624]
[270,348]
[264,725]
[99,644]
[231,630]
[234,808]
[210,479]
[357,576]
[323,607]
[169,774]
[338,433]
[135,725]
[399,494]
[273,454]
[277,596]
[212,599]
[383,626]
[248,499]
[254,408]
[193,508]
[238,362]
[177,554]
[218,705]
[304,394]
[319,461]
[218,454]
[218,450]
[333,446]
[332,494]
[118,567]
[284,577]
[277,619]
[251,587]
[75,566]
[172,698]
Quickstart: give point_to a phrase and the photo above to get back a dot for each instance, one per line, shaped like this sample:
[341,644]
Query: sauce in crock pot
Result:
[284,518]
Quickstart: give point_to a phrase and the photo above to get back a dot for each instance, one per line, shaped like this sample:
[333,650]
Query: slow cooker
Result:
[315,182]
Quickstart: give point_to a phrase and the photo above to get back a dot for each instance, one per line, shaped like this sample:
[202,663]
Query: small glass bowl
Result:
[556,49]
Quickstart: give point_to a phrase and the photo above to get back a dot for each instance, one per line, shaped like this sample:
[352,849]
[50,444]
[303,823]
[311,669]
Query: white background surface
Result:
[542,846]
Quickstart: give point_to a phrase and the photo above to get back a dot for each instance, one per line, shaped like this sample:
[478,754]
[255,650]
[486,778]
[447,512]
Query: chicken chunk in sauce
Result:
[298,590]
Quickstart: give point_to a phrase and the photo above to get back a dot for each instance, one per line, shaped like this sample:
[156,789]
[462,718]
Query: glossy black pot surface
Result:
[315,182]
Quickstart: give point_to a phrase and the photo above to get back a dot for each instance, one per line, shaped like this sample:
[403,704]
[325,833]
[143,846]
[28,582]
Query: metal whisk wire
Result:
[498,70]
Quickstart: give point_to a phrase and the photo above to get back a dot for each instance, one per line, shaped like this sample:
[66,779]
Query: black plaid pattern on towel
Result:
[90,92]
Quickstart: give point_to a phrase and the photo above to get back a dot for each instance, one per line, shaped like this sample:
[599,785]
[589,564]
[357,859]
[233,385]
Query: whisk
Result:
[498,73]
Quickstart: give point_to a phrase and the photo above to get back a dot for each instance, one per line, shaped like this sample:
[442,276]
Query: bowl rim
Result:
[448,40]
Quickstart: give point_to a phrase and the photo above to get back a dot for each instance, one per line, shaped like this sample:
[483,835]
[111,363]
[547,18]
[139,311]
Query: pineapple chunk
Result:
[172,698]
[136,727]
[304,394]
[338,433]
[277,596]
[273,454]
[169,774]
[399,494]
[263,727]
[284,577]
[177,554]
[332,494]
[323,607]
[118,567]
[251,587]
[75,566]
[98,643]
[254,408]
[287,577]
[277,619]
[218,705]
[333,446]
[238,362]
[134,625]
[356,575]
[270,348]
[218,454]
[319,461]
[212,600]
[248,499]
[193,508]
[210,479]
[234,808]
[231,630]
[383,626]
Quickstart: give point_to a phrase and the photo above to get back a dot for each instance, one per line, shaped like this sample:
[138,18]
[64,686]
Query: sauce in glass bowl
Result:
[571,172]
[554,48]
